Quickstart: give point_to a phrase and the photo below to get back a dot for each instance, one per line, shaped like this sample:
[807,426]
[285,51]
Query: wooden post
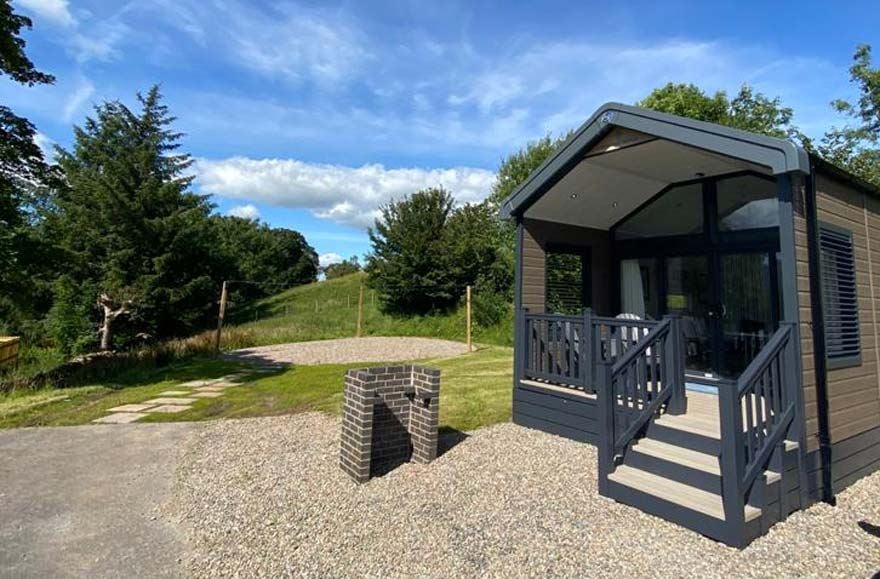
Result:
[360,326]
[220,315]
[470,344]
[605,403]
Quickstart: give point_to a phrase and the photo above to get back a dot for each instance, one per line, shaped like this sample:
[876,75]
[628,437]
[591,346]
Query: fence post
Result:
[605,405]
[674,354]
[360,324]
[470,344]
[220,315]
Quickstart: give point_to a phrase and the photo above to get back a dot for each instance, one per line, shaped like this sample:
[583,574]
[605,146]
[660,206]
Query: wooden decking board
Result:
[675,492]
[679,455]
[576,390]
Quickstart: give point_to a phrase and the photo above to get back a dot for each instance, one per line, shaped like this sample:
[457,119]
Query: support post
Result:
[470,344]
[360,324]
[732,460]
[674,355]
[605,405]
[220,315]
[586,352]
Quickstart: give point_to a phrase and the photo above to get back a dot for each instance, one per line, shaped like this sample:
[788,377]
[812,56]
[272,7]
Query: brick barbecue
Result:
[390,416]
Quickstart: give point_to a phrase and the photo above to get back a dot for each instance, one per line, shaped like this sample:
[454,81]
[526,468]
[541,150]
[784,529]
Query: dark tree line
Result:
[108,247]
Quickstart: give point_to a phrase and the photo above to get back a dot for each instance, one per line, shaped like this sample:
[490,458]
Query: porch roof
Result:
[624,155]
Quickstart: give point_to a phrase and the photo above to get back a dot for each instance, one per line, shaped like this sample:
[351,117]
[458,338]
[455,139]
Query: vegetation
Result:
[476,392]
[856,147]
[426,251]
[344,267]
[328,309]
[748,110]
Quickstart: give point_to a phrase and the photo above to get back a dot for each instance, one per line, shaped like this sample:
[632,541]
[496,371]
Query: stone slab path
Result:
[182,396]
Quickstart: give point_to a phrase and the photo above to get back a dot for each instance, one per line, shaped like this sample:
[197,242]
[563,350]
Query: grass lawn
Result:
[475,391]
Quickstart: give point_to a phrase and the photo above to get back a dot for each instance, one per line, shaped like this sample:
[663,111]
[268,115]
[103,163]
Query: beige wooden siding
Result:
[537,235]
[854,392]
[533,279]
[806,329]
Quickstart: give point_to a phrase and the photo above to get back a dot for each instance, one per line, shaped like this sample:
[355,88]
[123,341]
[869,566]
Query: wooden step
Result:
[561,388]
[679,455]
[692,424]
[677,493]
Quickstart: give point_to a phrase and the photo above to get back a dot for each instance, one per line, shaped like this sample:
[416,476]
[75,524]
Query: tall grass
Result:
[329,309]
[317,311]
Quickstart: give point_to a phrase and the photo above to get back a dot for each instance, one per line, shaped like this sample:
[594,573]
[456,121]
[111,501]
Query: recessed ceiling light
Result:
[574,195]
[614,204]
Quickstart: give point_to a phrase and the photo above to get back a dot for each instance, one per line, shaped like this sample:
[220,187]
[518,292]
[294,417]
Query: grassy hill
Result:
[328,309]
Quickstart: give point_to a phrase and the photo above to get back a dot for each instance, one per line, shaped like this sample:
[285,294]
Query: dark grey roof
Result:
[780,155]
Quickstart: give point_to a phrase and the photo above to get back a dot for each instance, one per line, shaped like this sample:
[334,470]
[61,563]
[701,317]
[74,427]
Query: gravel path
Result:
[341,351]
[264,497]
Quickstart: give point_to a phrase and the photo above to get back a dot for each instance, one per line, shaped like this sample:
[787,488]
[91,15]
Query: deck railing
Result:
[636,386]
[756,413]
[566,349]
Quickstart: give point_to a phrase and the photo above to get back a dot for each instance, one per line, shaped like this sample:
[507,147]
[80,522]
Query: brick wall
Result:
[389,416]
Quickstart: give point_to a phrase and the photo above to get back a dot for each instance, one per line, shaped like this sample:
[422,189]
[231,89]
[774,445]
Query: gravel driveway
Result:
[345,350]
[264,497]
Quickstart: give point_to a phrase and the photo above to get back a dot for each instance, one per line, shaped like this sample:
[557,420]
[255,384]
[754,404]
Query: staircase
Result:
[674,471]
[727,465]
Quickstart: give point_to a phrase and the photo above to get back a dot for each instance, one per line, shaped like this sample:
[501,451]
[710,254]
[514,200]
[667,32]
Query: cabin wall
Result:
[538,235]
[853,392]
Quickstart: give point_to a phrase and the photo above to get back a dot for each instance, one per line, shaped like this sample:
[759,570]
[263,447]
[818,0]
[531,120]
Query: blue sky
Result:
[312,114]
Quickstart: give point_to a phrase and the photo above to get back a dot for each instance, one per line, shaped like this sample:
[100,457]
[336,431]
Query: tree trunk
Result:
[110,314]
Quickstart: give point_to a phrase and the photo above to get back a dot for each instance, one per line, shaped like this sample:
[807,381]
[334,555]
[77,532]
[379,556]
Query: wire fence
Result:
[334,311]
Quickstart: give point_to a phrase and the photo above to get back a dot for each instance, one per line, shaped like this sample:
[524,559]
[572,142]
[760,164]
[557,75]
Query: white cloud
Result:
[287,41]
[80,95]
[326,259]
[347,195]
[248,211]
[57,11]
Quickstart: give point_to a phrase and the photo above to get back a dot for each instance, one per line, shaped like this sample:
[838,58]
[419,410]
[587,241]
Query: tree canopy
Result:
[748,110]
[856,146]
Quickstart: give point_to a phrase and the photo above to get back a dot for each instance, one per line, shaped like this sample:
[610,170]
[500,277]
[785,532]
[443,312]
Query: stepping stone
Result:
[175,393]
[119,418]
[170,408]
[267,369]
[194,383]
[207,394]
[131,408]
[184,401]
[234,377]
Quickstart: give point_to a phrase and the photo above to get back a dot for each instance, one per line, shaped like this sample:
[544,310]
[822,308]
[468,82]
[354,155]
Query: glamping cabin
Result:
[700,303]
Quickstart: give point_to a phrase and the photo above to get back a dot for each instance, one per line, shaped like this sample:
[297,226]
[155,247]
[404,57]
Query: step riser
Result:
[674,471]
[693,520]
[684,439]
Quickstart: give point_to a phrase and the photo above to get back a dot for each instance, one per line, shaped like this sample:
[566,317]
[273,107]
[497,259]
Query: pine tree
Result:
[129,225]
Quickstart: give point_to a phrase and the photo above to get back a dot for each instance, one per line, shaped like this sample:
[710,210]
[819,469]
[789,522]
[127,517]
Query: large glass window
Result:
[679,211]
[747,202]
[640,288]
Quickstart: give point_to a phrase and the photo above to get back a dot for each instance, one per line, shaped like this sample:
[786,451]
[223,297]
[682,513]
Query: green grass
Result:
[328,309]
[475,391]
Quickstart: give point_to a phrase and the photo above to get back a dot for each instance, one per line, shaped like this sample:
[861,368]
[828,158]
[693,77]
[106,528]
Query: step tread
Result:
[679,455]
[689,424]
[675,492]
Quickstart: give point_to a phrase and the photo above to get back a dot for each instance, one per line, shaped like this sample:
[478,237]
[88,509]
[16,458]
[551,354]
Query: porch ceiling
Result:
[606,186]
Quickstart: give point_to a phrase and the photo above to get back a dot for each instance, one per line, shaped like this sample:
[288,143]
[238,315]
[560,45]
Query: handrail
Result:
[756,413]
[763,359]
[641,347]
